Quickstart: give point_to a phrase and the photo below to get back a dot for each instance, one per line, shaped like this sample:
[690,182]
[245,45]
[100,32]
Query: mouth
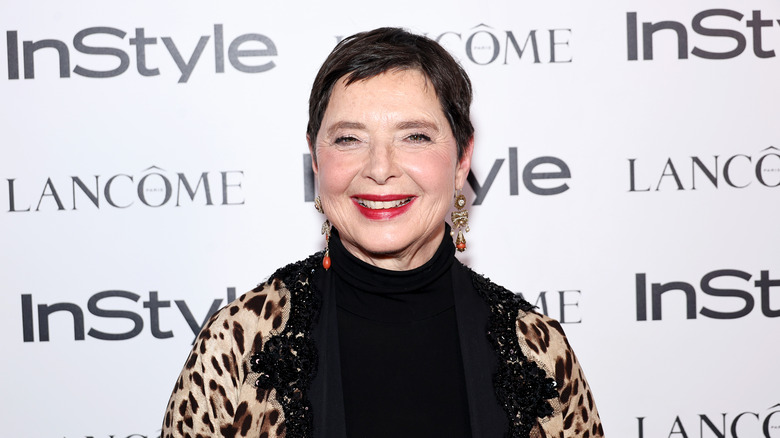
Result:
[383,205]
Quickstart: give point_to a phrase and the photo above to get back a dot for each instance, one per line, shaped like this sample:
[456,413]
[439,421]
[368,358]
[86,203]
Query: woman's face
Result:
[387,167]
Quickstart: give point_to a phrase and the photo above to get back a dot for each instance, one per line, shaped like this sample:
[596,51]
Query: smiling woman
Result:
[385,333]
[387,165]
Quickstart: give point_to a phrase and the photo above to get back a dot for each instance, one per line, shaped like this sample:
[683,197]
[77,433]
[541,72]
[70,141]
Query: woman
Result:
[384,333]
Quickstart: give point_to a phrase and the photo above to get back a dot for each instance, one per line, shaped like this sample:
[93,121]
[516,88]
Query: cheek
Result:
[333,176]
[435,173]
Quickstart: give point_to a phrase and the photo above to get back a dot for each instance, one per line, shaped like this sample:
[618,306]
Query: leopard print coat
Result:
[251,364]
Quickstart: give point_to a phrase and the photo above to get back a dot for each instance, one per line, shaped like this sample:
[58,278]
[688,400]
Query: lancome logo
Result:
[156,434]
[485,45]
[732,171]
[562,305]
[153,187]
[747,424]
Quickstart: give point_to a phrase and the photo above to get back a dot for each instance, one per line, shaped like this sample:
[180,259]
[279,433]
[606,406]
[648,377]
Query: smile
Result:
[383,205]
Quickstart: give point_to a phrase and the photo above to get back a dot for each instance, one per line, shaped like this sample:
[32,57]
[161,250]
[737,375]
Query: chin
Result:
[385,247]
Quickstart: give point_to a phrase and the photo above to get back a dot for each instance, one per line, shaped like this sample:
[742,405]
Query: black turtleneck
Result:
[401,365]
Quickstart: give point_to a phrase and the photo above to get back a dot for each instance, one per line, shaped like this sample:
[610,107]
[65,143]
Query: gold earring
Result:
[460,219]
[326,231]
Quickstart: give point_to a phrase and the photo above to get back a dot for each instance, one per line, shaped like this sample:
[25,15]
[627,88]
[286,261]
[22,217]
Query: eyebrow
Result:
[345,125]
[406,124]
[417,124]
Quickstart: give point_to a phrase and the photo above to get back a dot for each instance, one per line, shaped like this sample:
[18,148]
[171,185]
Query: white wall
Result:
[594,110]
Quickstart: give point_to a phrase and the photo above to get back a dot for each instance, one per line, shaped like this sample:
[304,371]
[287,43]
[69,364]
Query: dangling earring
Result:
[326,231]
[460,218]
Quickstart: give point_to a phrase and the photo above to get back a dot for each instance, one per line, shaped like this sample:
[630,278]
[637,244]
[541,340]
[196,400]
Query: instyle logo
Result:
[110,304]
[542,176]
[747,424]
[715,288]
[737,171]
[153,187]
[708,24]
[247,53]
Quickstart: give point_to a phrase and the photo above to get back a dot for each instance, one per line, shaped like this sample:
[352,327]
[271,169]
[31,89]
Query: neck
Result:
[408,258]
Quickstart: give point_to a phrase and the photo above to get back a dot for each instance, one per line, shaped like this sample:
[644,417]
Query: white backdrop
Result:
[95,245]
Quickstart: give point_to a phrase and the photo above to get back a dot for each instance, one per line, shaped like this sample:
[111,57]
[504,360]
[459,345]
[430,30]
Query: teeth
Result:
[382,205]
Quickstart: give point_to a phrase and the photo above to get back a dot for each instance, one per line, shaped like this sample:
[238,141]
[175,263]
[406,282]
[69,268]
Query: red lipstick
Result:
[383,207]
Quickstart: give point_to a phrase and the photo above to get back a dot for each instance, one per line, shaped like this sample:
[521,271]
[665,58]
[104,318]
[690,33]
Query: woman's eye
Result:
[419,138]
[345,140]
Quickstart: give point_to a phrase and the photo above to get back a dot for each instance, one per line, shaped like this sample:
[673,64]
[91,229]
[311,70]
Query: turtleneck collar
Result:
[393,296]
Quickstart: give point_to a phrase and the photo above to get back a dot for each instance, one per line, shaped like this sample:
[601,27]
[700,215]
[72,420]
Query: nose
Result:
[381,164]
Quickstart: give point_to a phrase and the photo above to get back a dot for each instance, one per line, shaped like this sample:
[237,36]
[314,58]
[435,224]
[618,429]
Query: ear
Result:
[464,165]
[313,155]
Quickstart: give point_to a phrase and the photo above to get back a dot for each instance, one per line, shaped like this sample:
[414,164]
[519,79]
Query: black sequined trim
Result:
[522,387]
[288,361]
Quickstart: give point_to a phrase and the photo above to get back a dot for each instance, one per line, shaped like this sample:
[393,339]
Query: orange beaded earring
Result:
[460,218]
[326,231]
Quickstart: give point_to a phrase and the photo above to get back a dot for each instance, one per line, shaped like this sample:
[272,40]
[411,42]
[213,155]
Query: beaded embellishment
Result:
[522,387]
[288,360]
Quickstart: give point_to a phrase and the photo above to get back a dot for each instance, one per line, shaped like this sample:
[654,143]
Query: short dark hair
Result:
[368,54]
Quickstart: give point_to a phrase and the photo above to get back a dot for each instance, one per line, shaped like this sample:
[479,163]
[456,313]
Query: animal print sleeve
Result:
[543,340]
[212,396]
[204,397]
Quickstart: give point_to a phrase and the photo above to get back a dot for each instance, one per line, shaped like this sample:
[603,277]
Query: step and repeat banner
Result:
[626,179]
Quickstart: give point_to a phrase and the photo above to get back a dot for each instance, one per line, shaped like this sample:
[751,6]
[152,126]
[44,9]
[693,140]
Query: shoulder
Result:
[262,312]
[217,389]
[542,342]
[496,296]
[538,331]
[541,334]
[541,338]
[250,318]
